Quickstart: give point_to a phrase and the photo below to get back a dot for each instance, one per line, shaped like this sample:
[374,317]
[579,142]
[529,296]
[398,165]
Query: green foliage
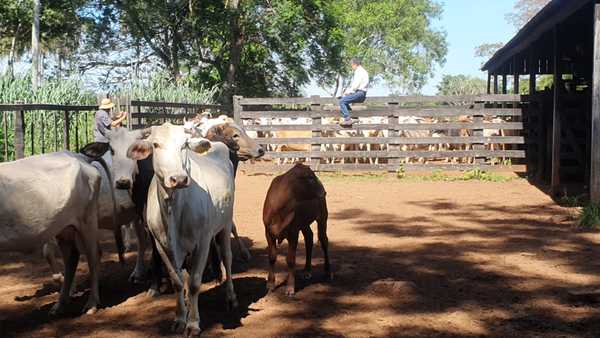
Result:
[470,175]
[571,201]
[461,85]
[395,38]
[589,217]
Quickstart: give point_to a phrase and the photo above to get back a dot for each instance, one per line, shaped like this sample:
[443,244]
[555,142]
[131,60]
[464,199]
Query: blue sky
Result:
[468,23]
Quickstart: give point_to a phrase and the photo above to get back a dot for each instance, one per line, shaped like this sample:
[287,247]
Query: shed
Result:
[557,53]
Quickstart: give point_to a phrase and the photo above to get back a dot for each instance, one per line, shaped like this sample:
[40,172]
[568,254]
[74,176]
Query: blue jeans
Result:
[356,97]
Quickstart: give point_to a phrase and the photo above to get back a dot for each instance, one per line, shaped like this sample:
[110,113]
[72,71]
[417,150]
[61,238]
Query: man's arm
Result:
[118,121]
[353,86]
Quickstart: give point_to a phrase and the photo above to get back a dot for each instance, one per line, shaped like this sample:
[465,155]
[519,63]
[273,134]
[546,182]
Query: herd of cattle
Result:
[175,182]
[381,132]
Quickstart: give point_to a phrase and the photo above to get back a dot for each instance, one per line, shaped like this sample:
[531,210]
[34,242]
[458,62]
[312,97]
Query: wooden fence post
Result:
[393,132]
[5,126]
[237,109]
[315,147]
[478,119]
[66,130]
[19,134]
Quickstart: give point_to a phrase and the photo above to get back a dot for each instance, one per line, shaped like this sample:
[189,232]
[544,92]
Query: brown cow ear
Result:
[95,149]
[140,150]
[199,145]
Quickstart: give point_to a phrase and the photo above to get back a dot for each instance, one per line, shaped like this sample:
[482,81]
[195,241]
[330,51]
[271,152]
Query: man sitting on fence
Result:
[356,93]
[104,122]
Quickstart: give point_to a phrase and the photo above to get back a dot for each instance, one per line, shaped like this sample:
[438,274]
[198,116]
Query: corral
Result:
[410,257]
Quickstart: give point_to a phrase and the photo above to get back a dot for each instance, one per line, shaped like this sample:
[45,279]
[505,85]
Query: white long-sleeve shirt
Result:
[360,80]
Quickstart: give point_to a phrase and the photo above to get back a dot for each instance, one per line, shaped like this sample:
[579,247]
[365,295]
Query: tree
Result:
[35,45]
[525,10]
[462,85]
[395,38]
[14,23]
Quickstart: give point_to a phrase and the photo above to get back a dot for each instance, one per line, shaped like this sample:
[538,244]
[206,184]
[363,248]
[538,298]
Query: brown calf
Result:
[294,200]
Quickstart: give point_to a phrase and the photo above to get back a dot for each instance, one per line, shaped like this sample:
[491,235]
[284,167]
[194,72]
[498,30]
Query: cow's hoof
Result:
[58,277]
[56,310]
[137,277]
[152,292]
[290,292]
[270,286]
[329,276]
[307,275]
[192,330]
[91,310]
[178,326]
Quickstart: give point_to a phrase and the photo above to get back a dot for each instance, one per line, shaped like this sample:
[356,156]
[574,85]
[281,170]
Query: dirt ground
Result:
[410,258]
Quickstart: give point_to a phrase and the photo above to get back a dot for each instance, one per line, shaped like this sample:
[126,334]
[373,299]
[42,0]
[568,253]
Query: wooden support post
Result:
[129,112]
[76,131]
[315,147]
[489,83]
[393,132]
[237,109]
[556,125]
[43,132]
[495,83]
[139,120]
[66,134]
[504,84]
[19,125]
[516,83]
[595,134]
[5,129]
[55,133]
[478,119]
[532,68]
[32,133]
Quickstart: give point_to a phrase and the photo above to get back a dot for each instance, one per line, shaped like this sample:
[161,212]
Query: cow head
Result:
[236,139]
[168,143]
[123,168]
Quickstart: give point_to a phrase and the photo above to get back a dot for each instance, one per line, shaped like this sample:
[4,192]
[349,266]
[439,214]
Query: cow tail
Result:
[116,228]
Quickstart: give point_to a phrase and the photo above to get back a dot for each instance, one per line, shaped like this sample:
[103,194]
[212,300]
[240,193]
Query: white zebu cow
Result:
[190,201]
[122,171]
[52,195]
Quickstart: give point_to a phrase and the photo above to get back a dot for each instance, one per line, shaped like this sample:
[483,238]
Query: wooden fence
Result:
[458,122]
[29,129]
[148,113]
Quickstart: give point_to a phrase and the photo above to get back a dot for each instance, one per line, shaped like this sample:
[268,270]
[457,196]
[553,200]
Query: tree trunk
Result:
[13,52]
[236,44]
[35,45]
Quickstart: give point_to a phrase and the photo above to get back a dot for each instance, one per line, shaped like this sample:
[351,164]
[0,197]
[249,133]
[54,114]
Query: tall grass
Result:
[72,92]
[161,88]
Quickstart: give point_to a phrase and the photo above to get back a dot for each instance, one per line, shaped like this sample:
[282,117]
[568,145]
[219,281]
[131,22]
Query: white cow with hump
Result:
[190,201]
[52,195]
[122,171]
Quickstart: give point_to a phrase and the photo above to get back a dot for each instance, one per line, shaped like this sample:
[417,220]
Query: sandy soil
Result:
[410,259]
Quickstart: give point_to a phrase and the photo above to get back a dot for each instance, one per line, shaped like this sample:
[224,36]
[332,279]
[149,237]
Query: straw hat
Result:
[106,104]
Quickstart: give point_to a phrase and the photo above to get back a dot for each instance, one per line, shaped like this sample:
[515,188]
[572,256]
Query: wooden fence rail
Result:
[29,129]
[453,129]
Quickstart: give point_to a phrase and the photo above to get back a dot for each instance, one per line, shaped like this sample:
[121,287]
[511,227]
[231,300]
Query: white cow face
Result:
[168,144]
[123,167]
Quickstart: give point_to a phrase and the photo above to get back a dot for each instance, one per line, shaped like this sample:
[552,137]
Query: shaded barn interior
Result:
[552,61]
